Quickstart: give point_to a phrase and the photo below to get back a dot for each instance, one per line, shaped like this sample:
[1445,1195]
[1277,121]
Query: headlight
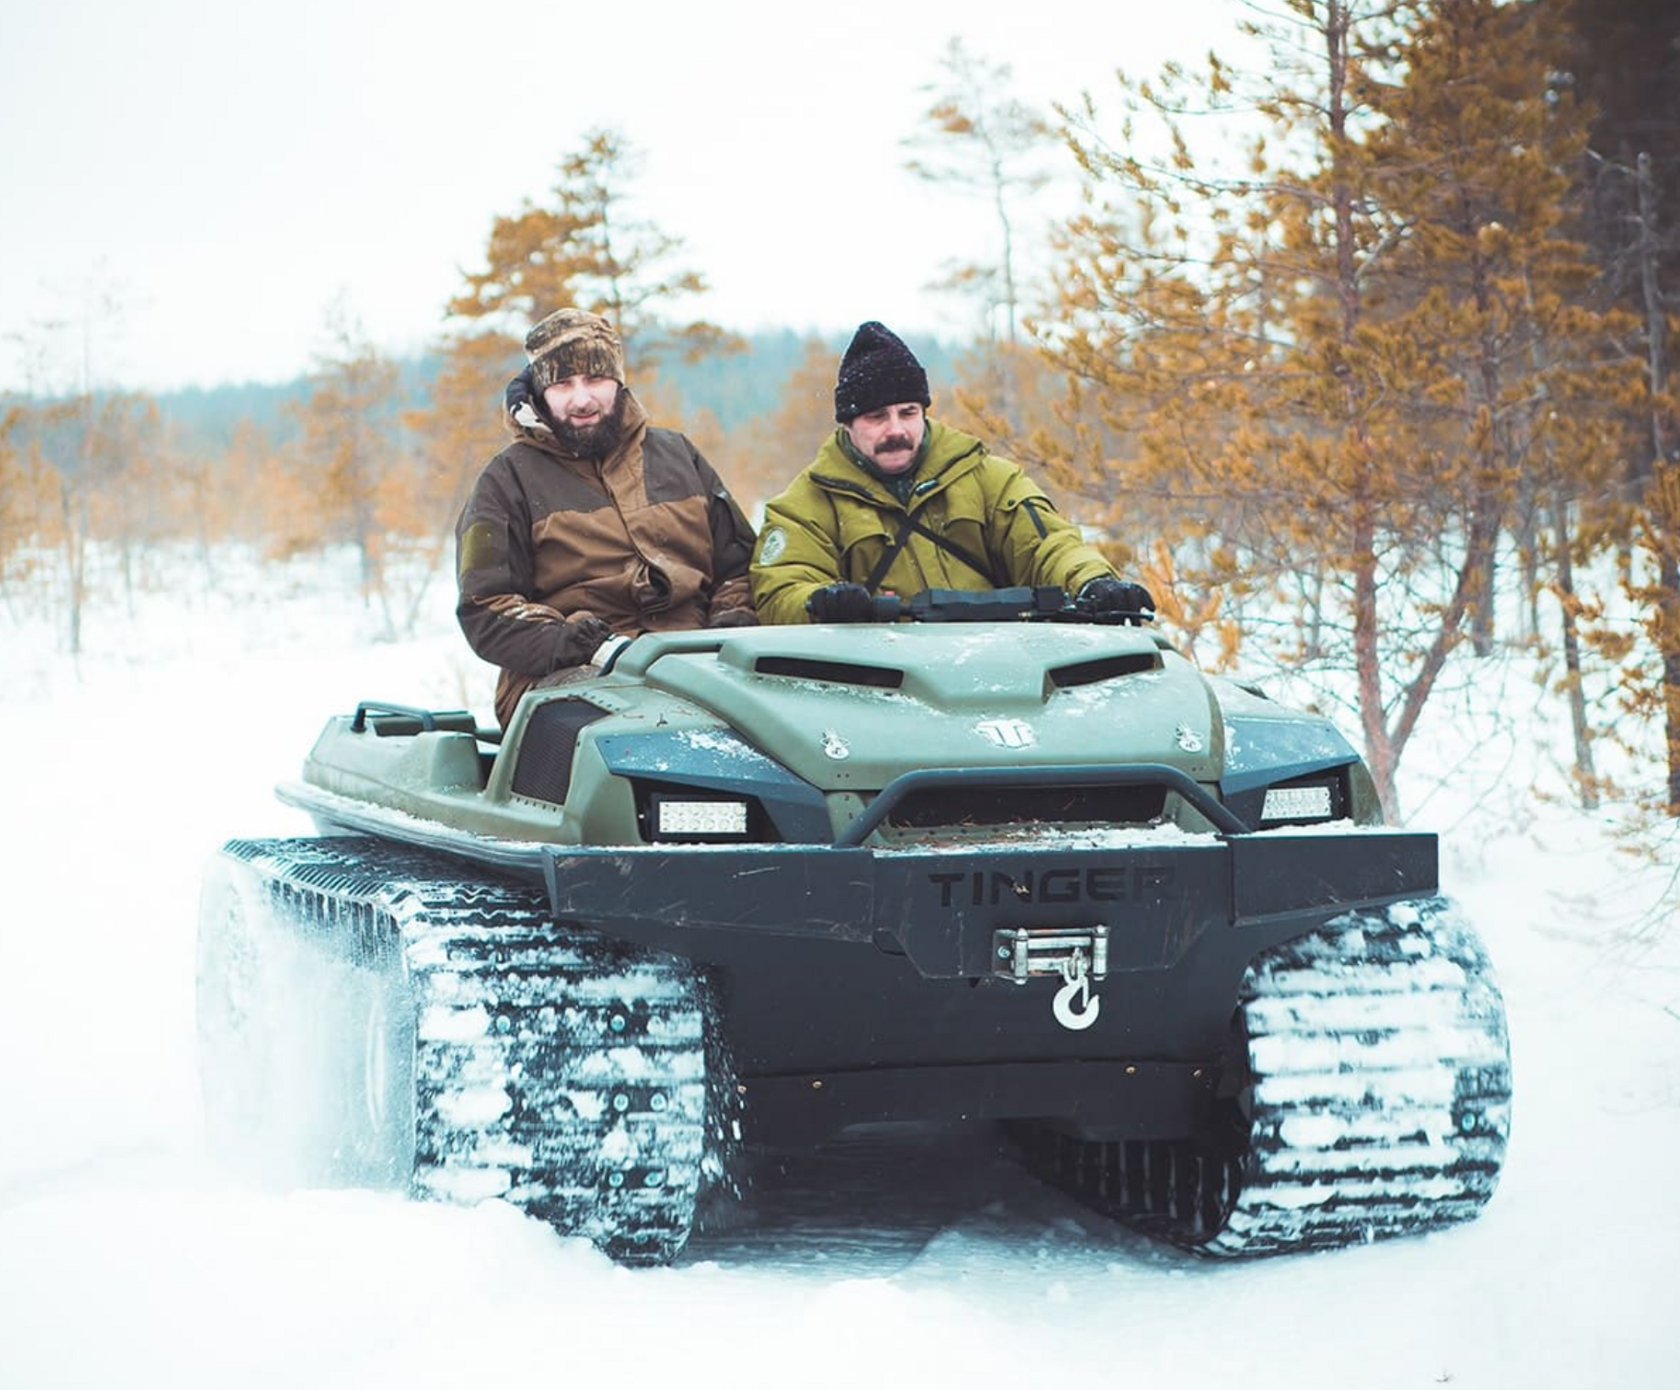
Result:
[1296,803]
[688,818]
[1300,803]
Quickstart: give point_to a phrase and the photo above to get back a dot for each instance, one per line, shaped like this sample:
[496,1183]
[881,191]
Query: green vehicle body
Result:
[947,869]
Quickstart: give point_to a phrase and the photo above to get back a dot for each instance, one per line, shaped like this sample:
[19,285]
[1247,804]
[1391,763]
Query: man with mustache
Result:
[898,501]
[592,522]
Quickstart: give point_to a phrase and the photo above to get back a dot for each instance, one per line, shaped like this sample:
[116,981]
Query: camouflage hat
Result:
[572,342]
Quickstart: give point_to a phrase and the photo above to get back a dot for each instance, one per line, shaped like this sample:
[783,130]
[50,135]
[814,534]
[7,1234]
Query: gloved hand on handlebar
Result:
[841,603]
[1106,594]
[735,617]
[578,639]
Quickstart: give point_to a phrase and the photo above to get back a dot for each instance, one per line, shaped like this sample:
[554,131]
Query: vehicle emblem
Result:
[1008,733]
[835,746]
[1189,740]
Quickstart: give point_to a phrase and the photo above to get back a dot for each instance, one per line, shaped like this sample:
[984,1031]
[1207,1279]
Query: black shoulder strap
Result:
[913,525]
[884,564]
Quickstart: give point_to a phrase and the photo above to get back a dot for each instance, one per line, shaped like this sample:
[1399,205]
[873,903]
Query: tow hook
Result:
[1078,956]
[1075,1006]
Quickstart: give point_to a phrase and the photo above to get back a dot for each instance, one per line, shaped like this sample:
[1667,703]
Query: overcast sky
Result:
[223,173]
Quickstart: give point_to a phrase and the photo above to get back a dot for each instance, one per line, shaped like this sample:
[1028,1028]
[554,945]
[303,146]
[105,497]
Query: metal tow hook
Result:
[1074,1006]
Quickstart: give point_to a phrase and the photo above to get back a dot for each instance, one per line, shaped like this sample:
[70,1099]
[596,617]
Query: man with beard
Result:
[592,522]
[897,501]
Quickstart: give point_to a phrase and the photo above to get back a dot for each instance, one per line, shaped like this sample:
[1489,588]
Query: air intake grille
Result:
[1103,669]
[834,672]
[963,806]
[544,770]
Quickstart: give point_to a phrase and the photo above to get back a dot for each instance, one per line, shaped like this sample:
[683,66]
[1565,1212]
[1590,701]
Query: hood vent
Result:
[833,672]
[1105,668]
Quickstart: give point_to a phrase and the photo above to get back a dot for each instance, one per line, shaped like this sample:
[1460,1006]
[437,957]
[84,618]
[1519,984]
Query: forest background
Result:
[1360,351]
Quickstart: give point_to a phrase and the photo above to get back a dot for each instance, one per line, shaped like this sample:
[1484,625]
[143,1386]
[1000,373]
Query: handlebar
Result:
[1044,604]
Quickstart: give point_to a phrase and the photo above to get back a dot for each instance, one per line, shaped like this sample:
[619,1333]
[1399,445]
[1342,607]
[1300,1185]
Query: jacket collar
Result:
[528,424]
[947,454]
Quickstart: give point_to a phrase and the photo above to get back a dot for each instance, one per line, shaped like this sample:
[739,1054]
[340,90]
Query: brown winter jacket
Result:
[647,539]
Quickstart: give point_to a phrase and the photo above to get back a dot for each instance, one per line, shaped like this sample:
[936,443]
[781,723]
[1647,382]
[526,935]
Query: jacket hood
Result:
[947,454]
[526,423]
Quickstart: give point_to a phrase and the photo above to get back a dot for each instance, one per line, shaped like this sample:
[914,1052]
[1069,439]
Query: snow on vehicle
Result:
[994,861]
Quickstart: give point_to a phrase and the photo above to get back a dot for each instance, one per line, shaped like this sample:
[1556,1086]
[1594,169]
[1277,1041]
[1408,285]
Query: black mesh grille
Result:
[1044,805]
[544,769]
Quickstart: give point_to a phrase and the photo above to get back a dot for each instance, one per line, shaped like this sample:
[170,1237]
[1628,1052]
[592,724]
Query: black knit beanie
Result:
[877,370]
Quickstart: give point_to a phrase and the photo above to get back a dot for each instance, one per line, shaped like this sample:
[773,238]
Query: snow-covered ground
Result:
[127,1259]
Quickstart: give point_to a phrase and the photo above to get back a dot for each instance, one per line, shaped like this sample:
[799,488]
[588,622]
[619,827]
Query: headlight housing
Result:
[1305,801]
[671,814]
[698,818]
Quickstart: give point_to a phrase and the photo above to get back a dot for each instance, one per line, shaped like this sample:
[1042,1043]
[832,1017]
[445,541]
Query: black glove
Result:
[734,617]
[1106,594]
[578,639]
[841,603]
[520,391]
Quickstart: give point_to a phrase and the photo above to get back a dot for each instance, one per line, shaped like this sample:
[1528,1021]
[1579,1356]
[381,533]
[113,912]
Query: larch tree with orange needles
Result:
[1326,360]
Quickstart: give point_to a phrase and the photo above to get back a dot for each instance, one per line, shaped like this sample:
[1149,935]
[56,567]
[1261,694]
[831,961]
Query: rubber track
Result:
[556,1071]
[1379,1102]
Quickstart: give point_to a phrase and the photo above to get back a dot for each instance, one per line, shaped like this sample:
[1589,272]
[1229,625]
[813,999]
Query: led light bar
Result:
[719,819]
[1297,803]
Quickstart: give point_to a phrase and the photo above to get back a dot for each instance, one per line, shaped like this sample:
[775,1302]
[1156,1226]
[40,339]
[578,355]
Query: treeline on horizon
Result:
[732,386]
[1361,356]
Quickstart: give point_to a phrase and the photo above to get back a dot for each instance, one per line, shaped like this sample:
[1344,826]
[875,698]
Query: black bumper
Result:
[940,908]
[860,985]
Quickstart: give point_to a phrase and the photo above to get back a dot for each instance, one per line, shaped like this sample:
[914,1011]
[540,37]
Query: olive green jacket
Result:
[976,522]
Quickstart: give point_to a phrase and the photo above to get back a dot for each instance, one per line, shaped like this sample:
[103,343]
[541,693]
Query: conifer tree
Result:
[1627,62]
[345,484]
[78,441]
[79,446]
[1333,350]
[21,490]
[771,448]
[133,508]
[981,140]
[456,432]
[226,490]
[1653,689]
[586,249]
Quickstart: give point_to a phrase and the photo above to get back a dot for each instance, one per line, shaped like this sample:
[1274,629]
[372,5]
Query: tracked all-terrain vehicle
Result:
[994,861]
